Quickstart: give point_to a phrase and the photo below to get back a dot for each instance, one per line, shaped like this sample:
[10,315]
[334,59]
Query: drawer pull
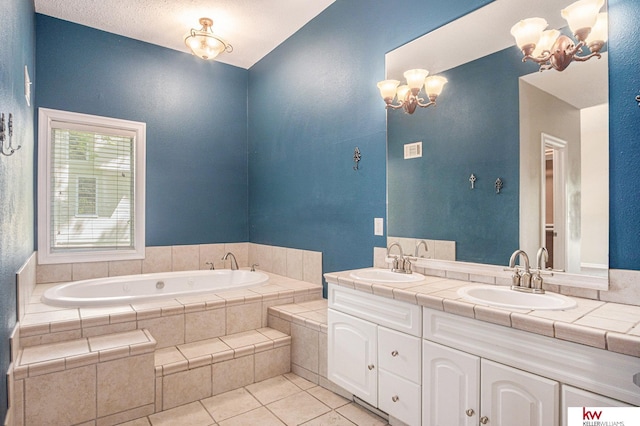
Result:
[395,398]
[484,420]
[394,353]
[371,366]
[470,412]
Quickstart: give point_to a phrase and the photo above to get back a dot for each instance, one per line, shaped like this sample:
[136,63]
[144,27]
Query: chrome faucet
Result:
[402,265]
[234,262]
[420,243]
[542,258]
[520,281]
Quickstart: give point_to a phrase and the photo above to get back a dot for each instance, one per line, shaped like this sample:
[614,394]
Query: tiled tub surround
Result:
[221,339]
[302,265]
[604,325]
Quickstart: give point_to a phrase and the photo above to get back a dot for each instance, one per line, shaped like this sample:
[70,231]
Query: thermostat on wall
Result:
[413,150]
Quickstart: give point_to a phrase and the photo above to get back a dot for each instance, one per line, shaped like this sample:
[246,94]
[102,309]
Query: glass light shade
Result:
[600,31]
[433,85]
[546,41]
[388,89]
[582,14]
[415,78]
[402,92]
[203,43]
[528,31]
[204,46]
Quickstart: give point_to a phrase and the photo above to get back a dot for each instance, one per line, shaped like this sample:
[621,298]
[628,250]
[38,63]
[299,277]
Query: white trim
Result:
[45,255]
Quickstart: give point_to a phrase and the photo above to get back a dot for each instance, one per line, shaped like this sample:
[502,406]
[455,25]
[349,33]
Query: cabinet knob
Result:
[371,366]
[470,412]
[395,398]
[484,420]
[394,353]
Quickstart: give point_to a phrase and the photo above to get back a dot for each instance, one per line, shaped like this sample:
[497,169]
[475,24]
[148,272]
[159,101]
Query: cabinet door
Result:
[450,386]
[513,397]
[351,361]
[574,397]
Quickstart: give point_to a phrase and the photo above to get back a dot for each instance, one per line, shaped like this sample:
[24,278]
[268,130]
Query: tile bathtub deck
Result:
[282,400]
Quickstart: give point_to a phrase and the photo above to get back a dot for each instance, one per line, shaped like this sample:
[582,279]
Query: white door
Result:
[352,362]
[574,397]
[513,397]
[450,386]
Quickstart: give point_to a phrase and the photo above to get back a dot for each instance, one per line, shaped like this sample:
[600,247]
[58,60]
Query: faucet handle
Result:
[407,265]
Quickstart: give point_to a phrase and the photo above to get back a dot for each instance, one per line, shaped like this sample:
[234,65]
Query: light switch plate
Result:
[378,226]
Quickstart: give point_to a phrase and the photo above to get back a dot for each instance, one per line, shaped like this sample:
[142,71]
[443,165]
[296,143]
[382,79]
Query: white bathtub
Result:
[147,287]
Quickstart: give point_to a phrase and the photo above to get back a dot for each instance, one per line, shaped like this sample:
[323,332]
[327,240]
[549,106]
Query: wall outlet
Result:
[378,226]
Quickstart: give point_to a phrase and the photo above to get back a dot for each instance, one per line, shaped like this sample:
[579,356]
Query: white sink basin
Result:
[385,276]
[506,298]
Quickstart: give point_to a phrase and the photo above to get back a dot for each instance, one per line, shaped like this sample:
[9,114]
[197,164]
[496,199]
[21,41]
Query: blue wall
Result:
[196,115]
[17,41]
[624,134]
[473,129]
[311,102]
[313,99]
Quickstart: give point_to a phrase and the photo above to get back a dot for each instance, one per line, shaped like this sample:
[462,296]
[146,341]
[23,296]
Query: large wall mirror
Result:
[543,134]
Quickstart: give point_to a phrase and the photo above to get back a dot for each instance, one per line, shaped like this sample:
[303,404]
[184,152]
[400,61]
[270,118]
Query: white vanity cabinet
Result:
[463,389]
[474,370]
[374,351]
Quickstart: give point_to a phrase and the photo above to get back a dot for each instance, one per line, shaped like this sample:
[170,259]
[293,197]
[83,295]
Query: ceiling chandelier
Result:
[204,44]
[552,50]
[408,95]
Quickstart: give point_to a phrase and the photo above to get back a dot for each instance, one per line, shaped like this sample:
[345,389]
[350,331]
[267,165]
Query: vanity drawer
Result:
[390,313]
[400,354]
[399,398]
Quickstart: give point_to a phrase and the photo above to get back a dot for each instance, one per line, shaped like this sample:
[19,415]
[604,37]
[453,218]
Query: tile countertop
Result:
[605,325]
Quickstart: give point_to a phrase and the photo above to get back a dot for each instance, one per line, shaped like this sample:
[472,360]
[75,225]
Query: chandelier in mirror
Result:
[552,50]
[408,95]
[204,44]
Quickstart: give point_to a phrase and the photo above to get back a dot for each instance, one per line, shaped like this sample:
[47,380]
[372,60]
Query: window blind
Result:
[93,181]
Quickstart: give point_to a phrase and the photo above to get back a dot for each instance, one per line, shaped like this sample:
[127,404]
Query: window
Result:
[91,181]
[86,196]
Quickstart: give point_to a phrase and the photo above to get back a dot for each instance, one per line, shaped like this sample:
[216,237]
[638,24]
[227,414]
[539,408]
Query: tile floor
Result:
[282,400]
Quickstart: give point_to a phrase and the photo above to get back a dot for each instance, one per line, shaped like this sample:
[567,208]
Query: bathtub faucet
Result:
[234,262]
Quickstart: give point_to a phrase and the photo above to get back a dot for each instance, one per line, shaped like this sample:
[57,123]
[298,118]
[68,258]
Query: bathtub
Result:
[148,287]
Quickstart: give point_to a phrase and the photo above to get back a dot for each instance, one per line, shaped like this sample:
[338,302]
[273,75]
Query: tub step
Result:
[109,378]
[197,370]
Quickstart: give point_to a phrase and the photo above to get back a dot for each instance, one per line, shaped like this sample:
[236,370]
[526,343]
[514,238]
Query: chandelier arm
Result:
[423,105]
[396,106]
[542,59]
[587,57]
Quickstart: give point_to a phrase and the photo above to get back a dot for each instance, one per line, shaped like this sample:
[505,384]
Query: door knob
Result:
[470,412]
[394,353]
[395,398]
[484,420]
[371,366]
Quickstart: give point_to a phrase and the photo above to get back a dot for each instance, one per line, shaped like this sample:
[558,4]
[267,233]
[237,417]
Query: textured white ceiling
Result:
[253,27]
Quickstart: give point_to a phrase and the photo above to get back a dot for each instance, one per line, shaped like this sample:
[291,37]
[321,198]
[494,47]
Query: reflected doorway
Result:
[553,200]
